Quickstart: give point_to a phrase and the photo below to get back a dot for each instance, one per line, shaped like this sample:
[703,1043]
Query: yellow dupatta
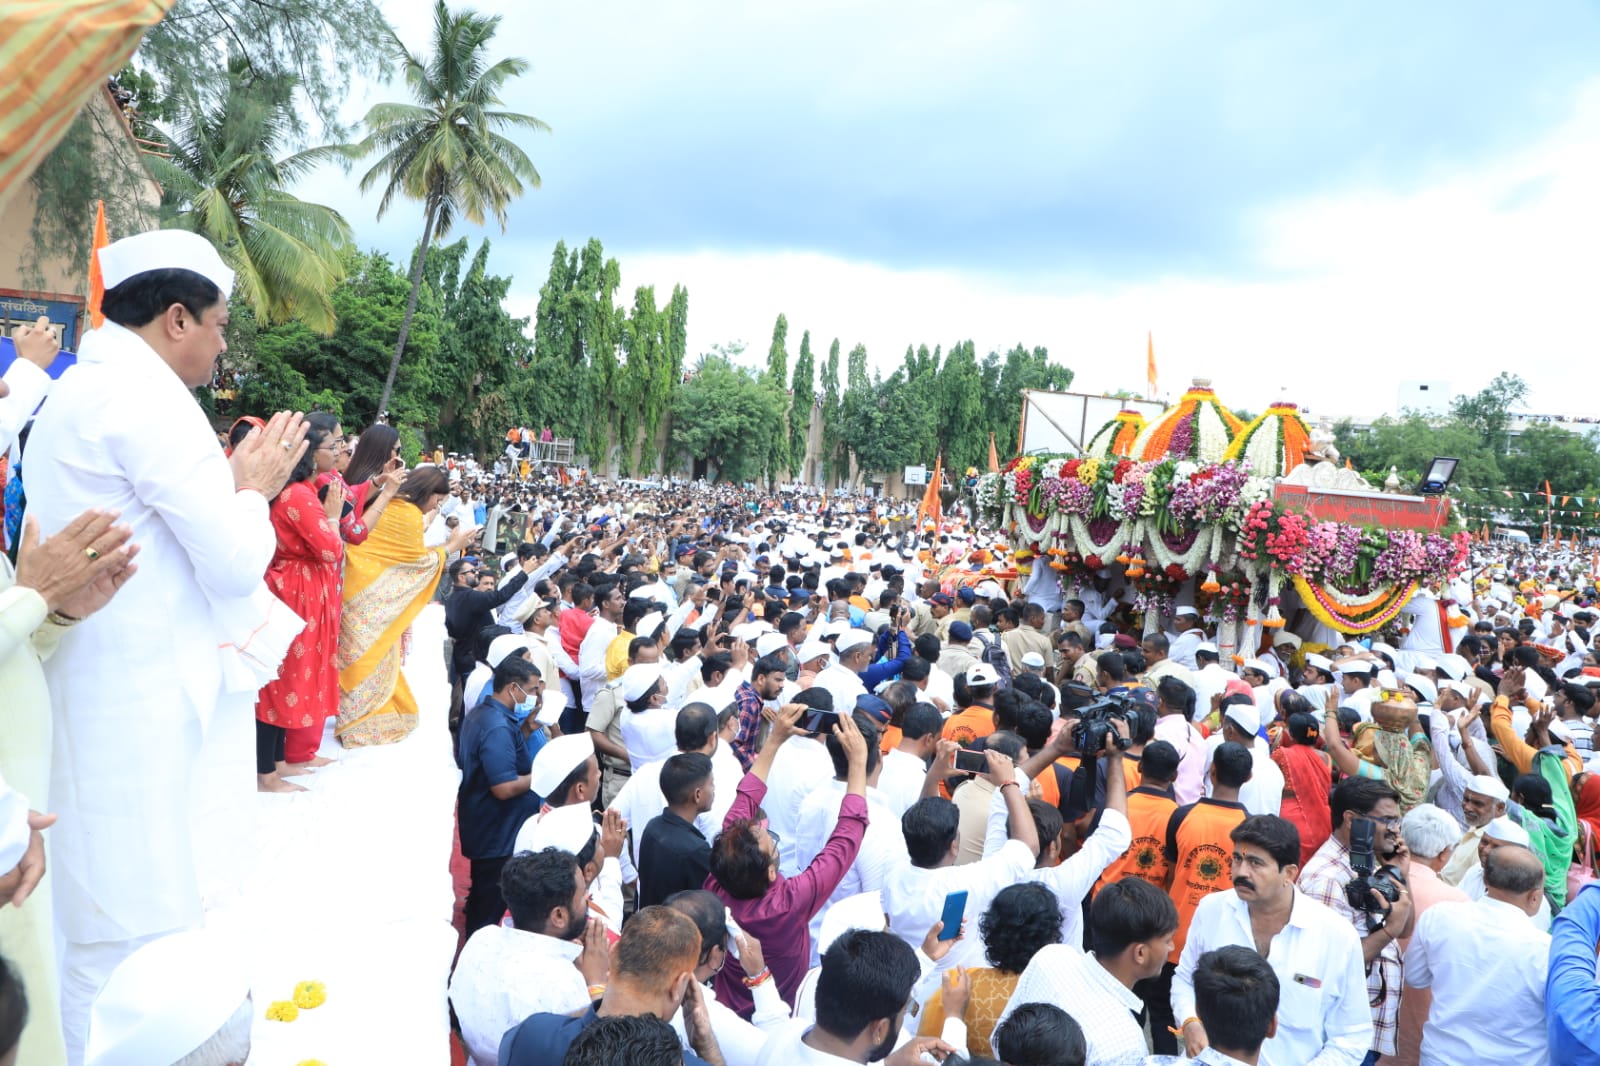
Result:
[388,580]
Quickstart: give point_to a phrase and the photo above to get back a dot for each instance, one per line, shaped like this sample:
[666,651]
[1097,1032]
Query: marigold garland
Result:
[1324,611]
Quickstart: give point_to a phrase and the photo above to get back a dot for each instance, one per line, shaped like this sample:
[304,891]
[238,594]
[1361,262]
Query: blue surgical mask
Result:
[520,712]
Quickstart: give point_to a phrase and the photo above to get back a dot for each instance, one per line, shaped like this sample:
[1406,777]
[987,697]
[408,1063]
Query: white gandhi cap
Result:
[165,1000]
[164,249]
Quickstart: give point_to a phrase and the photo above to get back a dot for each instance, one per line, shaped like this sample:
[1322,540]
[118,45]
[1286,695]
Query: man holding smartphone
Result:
[914,896]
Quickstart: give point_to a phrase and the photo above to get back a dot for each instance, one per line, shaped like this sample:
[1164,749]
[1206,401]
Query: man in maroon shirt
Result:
[774,909]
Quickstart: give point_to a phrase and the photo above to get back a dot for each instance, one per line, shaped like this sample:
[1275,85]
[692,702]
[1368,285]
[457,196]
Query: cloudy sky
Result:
[1315,200]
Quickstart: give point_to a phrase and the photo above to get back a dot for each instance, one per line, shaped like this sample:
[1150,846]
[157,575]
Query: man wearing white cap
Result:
[1355,685]
[842,678]
[1499,833]
[1241,722]
[1210,678]
[646,721]
[1316,680]
[567,774]
[158,779]
[179,998]
[1483,800]
[1190,636]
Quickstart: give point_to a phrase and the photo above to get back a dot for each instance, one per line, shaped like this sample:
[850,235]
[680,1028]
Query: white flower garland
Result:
[1192,559]
[1214,434]
[1078,529]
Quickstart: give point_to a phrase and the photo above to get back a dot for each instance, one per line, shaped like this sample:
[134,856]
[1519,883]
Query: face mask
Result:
[520,712]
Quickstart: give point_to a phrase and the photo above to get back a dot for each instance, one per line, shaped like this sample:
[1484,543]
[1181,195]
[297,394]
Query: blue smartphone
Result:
[955,905]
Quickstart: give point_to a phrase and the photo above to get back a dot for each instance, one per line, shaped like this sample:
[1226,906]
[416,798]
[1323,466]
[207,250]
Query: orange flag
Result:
[97,285]
[1150,363]
[929,507]
[994,458]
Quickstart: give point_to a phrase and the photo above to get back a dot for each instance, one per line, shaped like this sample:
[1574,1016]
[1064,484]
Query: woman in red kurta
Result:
[305,570]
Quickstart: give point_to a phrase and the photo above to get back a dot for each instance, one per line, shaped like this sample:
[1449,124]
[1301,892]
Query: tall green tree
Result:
[777,451]
[963,433]
[447,149]
[723,416]
[802,397]
[224,178]
[832,448]
[1488,413]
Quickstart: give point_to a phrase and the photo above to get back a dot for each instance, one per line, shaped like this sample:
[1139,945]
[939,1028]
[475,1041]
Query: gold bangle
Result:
[596,991]
[63,620]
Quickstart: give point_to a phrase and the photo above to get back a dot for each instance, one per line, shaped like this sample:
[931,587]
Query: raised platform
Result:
[353,888]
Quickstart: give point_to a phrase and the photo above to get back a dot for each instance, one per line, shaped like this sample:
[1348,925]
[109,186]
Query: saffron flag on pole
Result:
[994,457]
[97,283]
[1150,363]
[929,507]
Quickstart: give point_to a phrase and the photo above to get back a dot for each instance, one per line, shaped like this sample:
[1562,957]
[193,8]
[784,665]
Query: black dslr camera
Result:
[1384,879]
[1095,730]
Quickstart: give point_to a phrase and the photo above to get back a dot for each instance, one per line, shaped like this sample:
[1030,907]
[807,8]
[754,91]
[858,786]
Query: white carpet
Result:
[353,889]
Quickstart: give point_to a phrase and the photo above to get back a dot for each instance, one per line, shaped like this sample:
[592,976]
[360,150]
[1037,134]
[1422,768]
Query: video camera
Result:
[1096,731]
[1384,879]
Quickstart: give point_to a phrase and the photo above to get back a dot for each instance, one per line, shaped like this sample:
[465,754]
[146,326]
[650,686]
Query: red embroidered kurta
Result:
[305,575]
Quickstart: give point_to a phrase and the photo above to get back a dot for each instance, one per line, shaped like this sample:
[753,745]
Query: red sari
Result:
[305,575]
[1306,781]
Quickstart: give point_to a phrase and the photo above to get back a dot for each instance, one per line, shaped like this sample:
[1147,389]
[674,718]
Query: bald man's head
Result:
[1513,874]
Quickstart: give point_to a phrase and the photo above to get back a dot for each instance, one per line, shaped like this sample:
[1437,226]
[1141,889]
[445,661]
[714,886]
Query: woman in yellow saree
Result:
[388,580]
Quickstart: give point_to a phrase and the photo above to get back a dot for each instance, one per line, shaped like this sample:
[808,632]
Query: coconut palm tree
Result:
[221,176]
[446,149]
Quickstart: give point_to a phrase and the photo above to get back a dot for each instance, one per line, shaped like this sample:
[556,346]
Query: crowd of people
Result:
[752,778]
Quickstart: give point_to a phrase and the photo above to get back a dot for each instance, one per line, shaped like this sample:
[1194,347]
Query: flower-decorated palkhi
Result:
[1116,438]
[1197,427]
[1275,443]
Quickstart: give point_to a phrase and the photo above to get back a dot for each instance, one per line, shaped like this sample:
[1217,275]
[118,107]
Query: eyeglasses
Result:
[1388,823]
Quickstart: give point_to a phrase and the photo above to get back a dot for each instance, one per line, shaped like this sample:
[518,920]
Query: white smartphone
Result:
[734,933]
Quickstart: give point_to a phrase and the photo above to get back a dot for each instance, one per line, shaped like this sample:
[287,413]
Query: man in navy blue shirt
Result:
[652,972]
[495,798]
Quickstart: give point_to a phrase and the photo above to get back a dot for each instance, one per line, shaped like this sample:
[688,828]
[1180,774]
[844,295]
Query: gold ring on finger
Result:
[91,553]
[287,446]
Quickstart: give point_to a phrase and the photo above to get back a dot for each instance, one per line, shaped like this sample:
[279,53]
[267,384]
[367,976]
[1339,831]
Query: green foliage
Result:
[834,465]
[1488,413]
[321,44]
[224,180]
[448,149]
[777,450]
[802,396]
[724,415]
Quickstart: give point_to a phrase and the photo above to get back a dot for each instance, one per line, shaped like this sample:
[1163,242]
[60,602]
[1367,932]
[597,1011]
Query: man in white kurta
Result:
[142,711]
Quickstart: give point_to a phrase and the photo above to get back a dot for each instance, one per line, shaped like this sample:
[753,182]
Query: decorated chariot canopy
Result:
[1230,517]
[1116,438]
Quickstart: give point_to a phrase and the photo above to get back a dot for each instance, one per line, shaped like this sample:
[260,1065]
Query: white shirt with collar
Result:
[1182,647]
[1486,963]
[1108,1011]
[1323,1017]
[1472,884]
[506,974]
[1072,878]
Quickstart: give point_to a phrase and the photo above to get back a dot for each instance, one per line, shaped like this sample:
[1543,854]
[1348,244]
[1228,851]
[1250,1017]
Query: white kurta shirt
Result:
[506,974]
[135,686]
[1486,963]
[801,767]
[883,846]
